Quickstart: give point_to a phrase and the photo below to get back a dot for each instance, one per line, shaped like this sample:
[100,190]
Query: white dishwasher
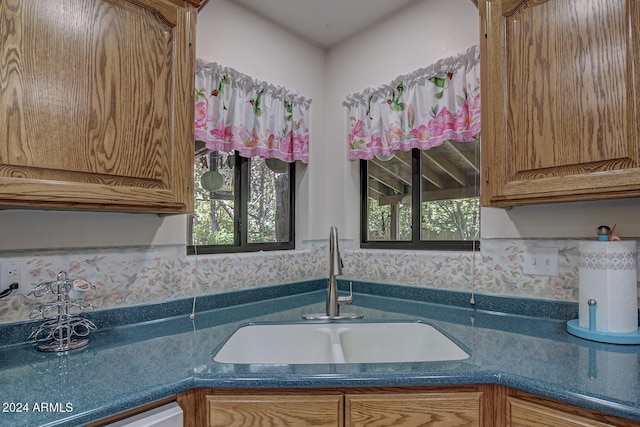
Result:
[169,415]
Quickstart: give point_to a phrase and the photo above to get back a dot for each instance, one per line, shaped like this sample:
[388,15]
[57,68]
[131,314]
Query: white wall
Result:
[32,229]
[562,220]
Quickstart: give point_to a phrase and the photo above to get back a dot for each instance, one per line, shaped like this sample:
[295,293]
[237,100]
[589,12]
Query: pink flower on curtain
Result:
[300,143]
[421,133]
[286,143]
[237,135]
[376,141]
[257,139]
[463,120]
[357,134]
[201,113]
[474,113]
[441,123]
[220,133]
[272,141]
[394,134]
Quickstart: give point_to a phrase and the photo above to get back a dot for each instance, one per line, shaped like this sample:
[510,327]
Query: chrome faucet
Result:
[333,300]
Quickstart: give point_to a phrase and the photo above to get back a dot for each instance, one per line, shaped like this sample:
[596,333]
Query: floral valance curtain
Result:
[236,112]
[418,110]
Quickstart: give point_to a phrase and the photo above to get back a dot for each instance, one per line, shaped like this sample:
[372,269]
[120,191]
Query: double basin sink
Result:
[338,342]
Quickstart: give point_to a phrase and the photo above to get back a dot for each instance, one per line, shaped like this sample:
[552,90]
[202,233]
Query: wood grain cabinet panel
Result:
[521,413]
[560,100]
[445,406]
[414,410]
[96,98]
[276,410]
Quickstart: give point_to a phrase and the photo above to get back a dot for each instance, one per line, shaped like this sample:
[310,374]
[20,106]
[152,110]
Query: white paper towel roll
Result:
[607,274]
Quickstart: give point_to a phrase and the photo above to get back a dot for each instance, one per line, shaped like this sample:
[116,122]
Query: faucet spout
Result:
[335,269]
[335,261]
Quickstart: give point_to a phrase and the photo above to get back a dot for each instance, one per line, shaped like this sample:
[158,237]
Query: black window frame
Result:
[415,243]
[240,209]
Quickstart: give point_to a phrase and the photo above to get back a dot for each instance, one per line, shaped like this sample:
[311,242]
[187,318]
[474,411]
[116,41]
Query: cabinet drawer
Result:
[414,409]
[521,413]
[281,410]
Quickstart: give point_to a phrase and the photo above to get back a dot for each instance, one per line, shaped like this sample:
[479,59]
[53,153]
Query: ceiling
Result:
[324,22]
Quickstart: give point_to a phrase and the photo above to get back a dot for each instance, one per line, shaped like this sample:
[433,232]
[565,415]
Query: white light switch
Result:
[541,261]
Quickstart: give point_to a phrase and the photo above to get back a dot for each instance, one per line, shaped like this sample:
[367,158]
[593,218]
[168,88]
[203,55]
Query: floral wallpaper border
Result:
[141,275]
[497,269]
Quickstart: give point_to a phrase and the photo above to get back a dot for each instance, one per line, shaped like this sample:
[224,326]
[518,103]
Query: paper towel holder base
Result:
[574,328]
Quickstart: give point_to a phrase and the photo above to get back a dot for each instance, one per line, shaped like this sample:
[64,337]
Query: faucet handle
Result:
[347,300]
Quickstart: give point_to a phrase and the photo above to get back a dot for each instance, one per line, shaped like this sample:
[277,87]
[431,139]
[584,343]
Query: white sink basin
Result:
[307,343]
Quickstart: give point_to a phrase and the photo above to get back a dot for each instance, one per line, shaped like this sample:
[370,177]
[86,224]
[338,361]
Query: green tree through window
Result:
[241,204]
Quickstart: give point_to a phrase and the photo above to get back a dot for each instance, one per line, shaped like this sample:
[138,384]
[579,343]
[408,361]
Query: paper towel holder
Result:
[574,328]
[595,259]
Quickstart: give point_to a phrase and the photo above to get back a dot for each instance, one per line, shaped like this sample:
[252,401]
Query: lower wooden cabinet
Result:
[414,409]
[522,409]
[462,406]
[483,405]
[315,410]
[521,413]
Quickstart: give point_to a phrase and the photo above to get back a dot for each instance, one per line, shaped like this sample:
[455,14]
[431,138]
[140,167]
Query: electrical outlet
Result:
[541,261]
[13,272]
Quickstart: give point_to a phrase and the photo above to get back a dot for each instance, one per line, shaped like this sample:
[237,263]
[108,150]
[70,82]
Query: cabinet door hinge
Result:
[190,27]
[487,11]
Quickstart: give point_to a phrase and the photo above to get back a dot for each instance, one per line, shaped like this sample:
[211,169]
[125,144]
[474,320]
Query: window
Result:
[418,142]
[422,199]
[248,136]
[241,204]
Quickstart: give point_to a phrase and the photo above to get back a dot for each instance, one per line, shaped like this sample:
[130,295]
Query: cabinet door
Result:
[96,104]
[414,409]
[276,410]
[521,413]
[560,100]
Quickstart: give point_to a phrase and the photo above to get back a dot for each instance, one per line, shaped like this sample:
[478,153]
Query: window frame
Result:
[416,191]
[240,212]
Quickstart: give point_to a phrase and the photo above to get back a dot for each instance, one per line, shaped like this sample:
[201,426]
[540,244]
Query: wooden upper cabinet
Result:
[96,103]
[561,110]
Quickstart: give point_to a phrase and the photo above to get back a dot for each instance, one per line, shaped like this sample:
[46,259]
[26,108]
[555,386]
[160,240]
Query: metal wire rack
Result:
[63,328]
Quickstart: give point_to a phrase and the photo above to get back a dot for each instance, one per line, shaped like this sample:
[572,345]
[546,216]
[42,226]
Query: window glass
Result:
[214,219]
[449,199]
[389,198]
[422,199]
[241,204]
[268,208]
